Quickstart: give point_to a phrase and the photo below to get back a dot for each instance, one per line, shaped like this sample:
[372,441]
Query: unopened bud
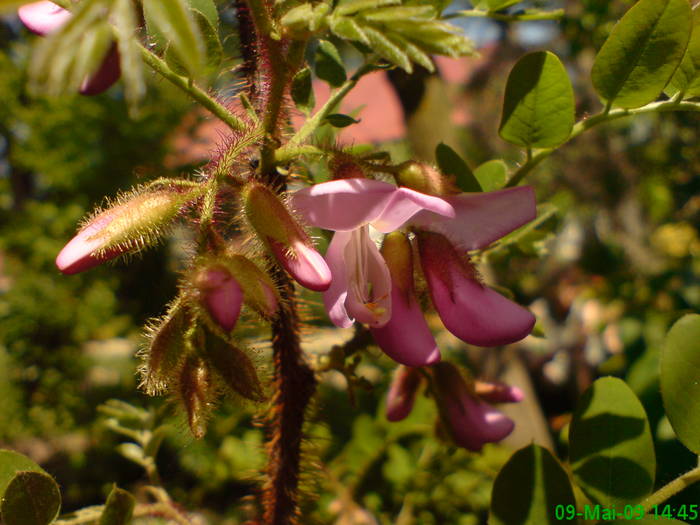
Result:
[345,166]
[165,349]
[424,178]
[221,295]
[196,392]
[234,368]
[285,238]
[43,18]
[470,421]
[402,393]
[259,291]
[136,221]
[498,392]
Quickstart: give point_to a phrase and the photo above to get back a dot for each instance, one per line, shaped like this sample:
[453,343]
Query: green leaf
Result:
[12,462]
[302,91]
[212,43]
[528,488]
[173,24]
[338,120]
[119,508]
[494,5]
[350,7]
[450,163]
[208,9]
[329,66]
[538,109]
[492,175]
[642,52]
[31,498]
[129,52]
[347,28]
[687,76]
[680,388]
[611,449]
[385,48]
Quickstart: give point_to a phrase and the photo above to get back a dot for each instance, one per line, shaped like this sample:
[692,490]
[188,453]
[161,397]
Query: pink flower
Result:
[402,393]
[85,250]
[470,421]
[44,18]
[361,285]
[446,227]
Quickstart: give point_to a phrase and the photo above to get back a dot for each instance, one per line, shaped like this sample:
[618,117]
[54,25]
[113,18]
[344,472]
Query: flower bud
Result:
[286,239]
[232,367]
[470,421]
[221,295]
[402,393]
[196,392]
[259,291]
[498,392]
[43,18]
[165,349]
[345,166]
[134,222]
[105,76]
[424,178]
[406,337]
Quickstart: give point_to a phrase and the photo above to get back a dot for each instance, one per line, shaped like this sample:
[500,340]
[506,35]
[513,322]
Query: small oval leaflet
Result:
[515,502]
[31,498]
[538,108]
[610,440]
[680,386]
[642,52]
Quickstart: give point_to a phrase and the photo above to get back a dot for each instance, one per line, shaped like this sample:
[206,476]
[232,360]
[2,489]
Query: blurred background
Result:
[615,261]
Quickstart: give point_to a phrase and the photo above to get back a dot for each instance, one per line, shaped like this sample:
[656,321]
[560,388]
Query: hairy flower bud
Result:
[166,346]
[285,238]
[196,391]
[345,166]
[424,178]
[135,221]
[221,295]
[470,421]
[402,392]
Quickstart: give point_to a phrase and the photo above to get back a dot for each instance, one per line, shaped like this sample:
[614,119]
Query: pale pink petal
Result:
[334,297]
[482,218]
[223,298]
[304,264]
[369,281]
[43,18]
[342,205]
[79,254]
[405,203]
[402,393]
[105,76]
[406,338]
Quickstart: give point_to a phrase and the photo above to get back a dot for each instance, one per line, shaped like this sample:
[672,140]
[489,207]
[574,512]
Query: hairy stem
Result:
[606,115]
[295,384]
[194,91]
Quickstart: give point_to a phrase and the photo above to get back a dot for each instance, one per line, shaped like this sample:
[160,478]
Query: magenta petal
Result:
[304,264]
[43,18]
[402,393]
[406,338]
[105,76]
[476,314]
[79,254]
[482,218]
[334,297]
[405,203]
[223,298]
[498,392]
[342,205]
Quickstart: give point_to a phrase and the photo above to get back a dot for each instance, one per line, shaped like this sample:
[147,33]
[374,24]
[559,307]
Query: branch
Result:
[672,488]
[606,115]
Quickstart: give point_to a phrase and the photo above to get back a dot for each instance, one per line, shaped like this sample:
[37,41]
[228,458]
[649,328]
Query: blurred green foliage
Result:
[608,274]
